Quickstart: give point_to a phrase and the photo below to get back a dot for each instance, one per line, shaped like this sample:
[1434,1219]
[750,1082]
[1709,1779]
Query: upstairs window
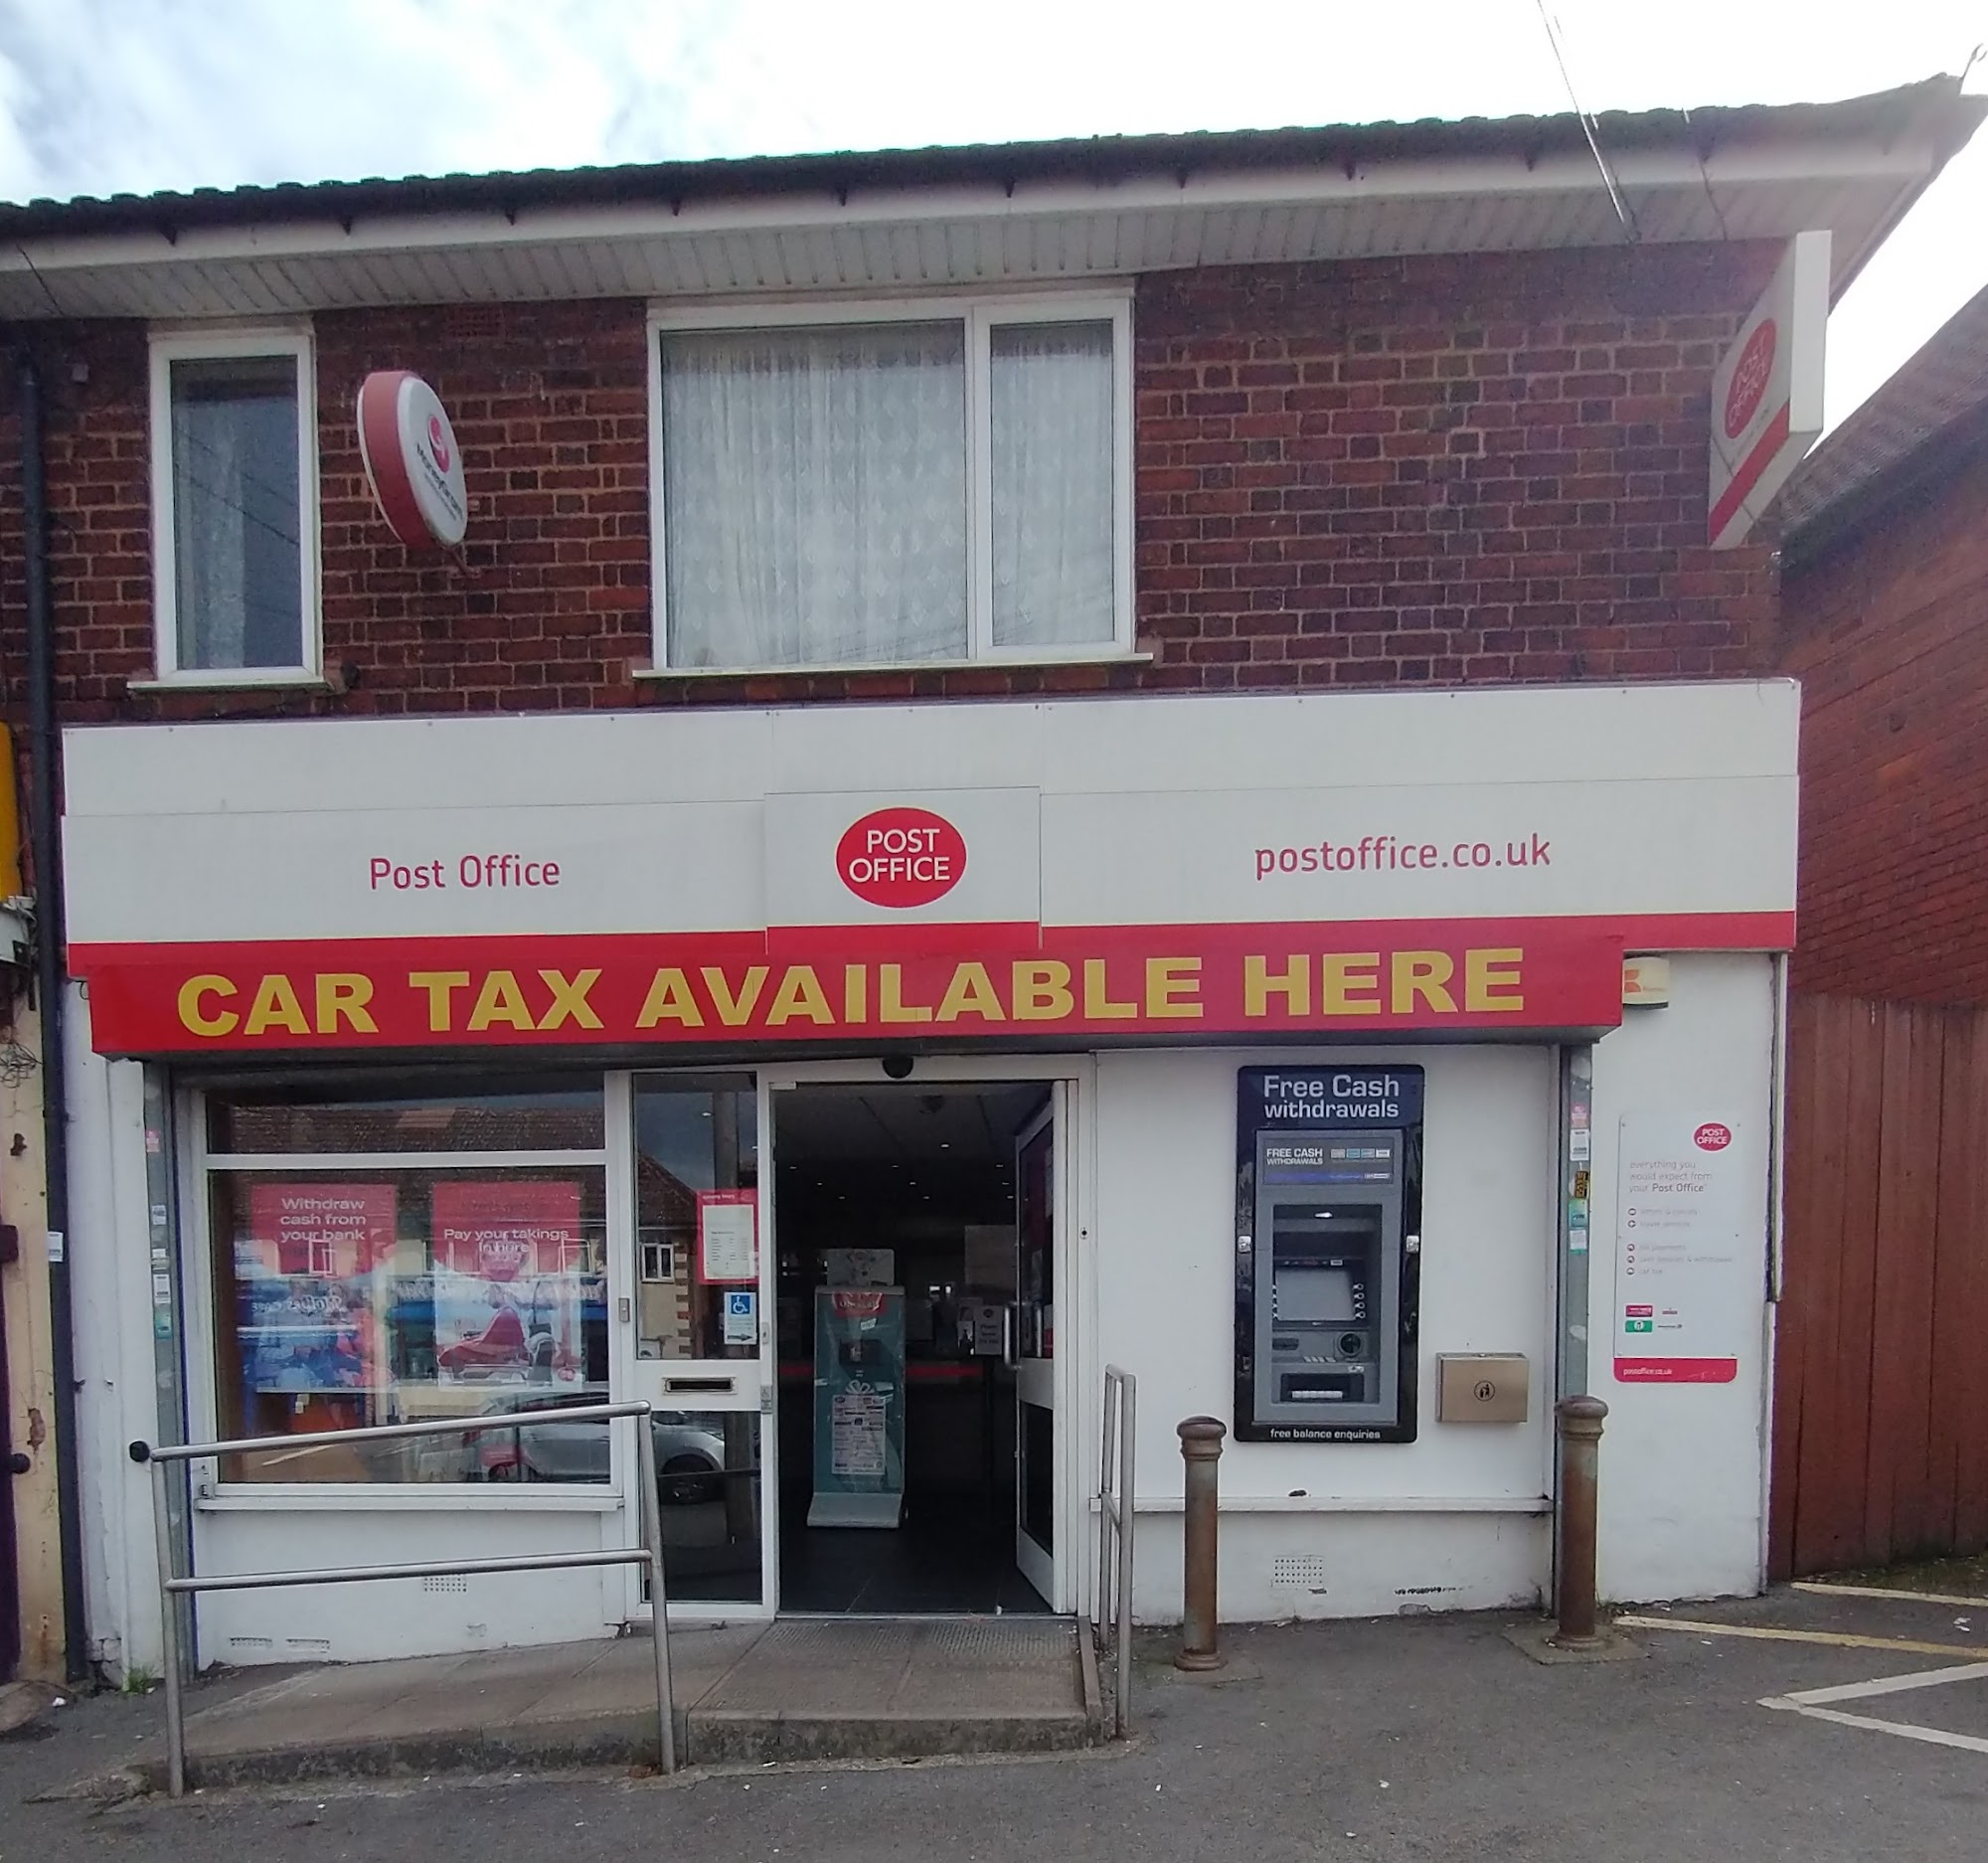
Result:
[940,485]
[234,507]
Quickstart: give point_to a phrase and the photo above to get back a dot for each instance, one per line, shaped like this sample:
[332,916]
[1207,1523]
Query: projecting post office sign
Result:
[412,461]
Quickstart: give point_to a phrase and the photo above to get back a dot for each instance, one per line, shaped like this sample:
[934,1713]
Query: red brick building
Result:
[1412,416]
[1880,1452]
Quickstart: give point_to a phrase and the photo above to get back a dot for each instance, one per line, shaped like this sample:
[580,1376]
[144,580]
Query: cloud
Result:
[107,95]
[101,97]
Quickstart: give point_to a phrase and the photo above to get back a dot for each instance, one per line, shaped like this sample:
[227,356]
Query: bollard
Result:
[1200,1449]
[1579,1420]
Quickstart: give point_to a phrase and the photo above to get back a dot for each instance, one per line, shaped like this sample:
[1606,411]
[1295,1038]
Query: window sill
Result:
[437,1497]
[838,669]
[258,679]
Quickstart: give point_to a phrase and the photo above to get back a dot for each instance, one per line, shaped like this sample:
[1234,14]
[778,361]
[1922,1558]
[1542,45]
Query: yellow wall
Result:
[29,1362]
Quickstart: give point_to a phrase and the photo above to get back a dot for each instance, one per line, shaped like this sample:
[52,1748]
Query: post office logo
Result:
[901,857]
[1712,1137]
[1751,376]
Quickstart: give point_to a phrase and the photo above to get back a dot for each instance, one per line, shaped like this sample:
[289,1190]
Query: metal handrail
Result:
[1114,1532]
[174,1585]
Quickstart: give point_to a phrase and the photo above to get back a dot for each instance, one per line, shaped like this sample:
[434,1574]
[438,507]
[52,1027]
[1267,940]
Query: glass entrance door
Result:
[695,1307]
[1033,1346]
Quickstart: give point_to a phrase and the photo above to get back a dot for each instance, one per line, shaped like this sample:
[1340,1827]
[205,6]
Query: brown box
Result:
[1480,1387]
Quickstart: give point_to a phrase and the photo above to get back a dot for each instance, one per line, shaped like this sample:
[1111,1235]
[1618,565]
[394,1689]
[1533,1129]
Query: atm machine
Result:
[1328,1216]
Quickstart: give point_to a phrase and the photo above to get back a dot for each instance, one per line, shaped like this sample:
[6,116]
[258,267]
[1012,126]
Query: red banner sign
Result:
[975,983]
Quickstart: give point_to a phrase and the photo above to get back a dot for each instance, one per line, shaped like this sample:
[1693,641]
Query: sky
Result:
[101,96]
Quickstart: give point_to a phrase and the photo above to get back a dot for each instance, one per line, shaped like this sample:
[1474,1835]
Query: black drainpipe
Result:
[44,837]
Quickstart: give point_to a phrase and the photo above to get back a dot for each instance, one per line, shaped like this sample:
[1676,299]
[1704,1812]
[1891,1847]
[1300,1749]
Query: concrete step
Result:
[797,1689]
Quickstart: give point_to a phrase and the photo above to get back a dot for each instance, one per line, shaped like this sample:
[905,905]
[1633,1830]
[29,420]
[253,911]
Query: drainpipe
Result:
[46,840]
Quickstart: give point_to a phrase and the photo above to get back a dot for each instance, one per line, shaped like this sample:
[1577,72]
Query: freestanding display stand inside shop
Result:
[859,1408]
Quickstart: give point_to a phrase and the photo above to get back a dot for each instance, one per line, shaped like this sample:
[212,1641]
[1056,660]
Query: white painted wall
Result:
[1451,1520]
[116,1402]
[1684,1467]
[1369,1511]
[400,1617]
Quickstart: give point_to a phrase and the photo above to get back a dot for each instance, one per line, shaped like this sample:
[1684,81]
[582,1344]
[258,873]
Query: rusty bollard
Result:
[1200,1449]
[1579,1420]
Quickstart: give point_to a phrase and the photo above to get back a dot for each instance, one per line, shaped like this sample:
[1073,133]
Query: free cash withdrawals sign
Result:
[1687,1267]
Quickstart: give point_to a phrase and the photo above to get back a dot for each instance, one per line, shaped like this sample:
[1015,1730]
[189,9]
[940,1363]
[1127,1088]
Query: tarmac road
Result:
[1424,1739]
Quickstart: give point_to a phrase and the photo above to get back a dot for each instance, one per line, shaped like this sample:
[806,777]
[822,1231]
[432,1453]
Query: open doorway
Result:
[915,1330]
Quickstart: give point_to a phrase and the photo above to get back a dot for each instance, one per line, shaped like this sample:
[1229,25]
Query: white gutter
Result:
[1646,172]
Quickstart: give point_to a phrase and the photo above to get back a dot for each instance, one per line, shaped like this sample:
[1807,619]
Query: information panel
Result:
[1687,1272]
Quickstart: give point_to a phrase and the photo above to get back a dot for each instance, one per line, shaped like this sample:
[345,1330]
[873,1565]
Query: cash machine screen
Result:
[1324,1245]
[1320,1296]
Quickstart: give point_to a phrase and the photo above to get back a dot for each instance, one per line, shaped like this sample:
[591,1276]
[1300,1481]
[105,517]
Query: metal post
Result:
[1201,1450]
[1580,1421]
[1107,1442]
[1128,1420]
[169,1623]
[643,1474]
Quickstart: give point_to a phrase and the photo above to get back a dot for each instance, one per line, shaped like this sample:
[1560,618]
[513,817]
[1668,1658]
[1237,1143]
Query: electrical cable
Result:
[1588,128]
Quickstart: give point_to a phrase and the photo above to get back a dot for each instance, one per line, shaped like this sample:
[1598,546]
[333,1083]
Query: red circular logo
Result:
[1712,1137]
[437,443]
[1750,379]
[901,857]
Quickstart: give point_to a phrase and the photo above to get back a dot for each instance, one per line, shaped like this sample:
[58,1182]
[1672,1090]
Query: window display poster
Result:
[510,1282]
[727,1237]
[307,1319]
[339,1230]
[1688,1273]
[859,1407]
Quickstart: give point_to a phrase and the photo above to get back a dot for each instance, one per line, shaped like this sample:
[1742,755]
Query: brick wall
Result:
[1401,471]
[1889,635]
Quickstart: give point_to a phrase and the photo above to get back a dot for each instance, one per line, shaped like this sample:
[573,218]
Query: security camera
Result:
[898,1066]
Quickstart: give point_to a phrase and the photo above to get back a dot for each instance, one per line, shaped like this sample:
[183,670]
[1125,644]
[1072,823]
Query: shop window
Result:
[234,507]
[876,492]
[356,1286]
[522,1113]
[697,1174]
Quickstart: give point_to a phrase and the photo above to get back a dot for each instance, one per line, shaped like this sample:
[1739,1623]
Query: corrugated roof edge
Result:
[1935,102]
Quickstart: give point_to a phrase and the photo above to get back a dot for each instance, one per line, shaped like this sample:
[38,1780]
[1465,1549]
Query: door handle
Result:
[20,1462]
[699,1384]
[1011,1335]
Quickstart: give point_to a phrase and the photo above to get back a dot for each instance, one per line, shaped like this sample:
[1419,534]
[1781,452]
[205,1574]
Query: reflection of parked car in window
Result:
[689,1453]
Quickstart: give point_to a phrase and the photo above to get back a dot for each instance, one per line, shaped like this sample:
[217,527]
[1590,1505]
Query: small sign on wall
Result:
[1688,1273]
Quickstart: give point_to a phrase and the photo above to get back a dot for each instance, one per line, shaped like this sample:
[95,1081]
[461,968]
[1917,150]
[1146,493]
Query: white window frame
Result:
[979,314]
[169,346]
[205,1322]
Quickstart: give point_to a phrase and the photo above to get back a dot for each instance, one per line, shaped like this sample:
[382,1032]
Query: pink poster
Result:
[509,1282]
[307,1319]
[335,1230]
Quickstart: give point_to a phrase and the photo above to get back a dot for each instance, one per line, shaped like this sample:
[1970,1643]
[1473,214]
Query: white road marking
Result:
[1890,1685]
[1933,1736]
[1821,1587]
[1835,1638]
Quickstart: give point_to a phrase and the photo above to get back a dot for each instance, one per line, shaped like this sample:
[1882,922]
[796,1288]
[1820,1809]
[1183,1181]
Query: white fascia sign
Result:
[1767,393]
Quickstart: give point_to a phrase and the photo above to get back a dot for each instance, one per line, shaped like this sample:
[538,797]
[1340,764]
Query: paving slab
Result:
[904,1688]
